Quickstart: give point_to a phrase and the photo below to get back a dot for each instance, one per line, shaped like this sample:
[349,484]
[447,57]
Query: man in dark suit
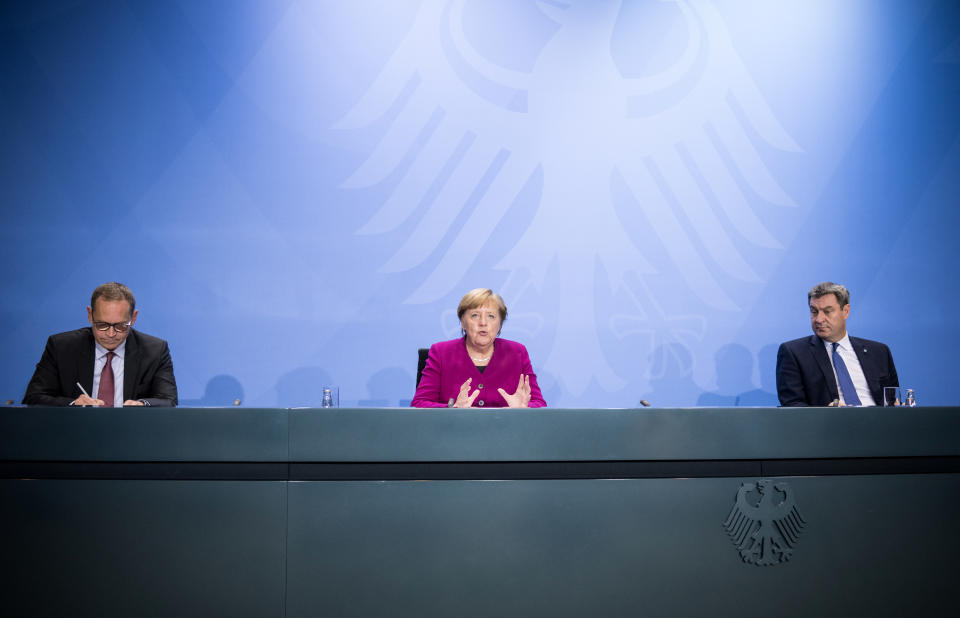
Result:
[109,364]
[830,367]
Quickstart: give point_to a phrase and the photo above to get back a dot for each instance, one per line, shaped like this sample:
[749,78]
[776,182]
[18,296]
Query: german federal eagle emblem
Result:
[764,522]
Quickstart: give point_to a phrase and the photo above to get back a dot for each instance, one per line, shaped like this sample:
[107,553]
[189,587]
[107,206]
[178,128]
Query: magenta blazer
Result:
[449,366]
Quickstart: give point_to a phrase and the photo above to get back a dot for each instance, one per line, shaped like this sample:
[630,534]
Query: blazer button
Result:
[480,403]
[480,386]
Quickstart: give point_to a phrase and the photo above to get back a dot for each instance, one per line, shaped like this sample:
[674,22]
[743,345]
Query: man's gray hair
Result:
[829,287]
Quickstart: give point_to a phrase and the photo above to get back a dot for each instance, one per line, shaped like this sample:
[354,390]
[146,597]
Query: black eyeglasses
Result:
[120,327]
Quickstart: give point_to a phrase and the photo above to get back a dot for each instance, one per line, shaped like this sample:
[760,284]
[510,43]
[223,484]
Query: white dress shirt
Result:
[100,361]
[845,350]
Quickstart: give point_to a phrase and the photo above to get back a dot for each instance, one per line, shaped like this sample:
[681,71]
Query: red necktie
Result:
[105,391]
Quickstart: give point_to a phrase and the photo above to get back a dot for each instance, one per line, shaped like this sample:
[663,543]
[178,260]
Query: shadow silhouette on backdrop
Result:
[222,391]
[671,377]
[302,387]
[386,387]
[766,395]
[734,364]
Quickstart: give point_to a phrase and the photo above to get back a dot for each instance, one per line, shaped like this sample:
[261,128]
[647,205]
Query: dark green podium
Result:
[398,512]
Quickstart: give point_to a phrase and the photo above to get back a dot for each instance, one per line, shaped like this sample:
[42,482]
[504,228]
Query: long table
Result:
[549,512]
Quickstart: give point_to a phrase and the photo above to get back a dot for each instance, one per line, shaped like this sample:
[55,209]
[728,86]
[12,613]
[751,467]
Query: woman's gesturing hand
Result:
[464,398]
[521,397]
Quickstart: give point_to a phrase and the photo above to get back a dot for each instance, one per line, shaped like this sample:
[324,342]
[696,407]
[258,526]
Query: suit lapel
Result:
[823,361]
[863,352]
[85,363]
[131,364]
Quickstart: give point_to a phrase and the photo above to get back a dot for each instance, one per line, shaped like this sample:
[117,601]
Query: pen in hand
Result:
[85,394]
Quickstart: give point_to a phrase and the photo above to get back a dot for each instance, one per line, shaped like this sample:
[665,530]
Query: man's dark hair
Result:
[113,291]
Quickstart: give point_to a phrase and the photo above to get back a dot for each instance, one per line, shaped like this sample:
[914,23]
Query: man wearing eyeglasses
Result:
[109,364]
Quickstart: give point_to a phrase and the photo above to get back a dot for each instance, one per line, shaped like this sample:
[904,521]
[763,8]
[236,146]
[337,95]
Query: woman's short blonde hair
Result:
[480,297]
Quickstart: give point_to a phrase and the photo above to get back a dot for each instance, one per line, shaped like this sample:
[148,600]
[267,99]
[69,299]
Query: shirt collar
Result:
[845,344]
[102,351]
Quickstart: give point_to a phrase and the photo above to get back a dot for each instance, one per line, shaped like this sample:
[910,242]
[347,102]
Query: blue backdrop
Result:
[300,192]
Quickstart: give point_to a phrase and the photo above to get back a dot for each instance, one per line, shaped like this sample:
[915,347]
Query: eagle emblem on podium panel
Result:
[764,523]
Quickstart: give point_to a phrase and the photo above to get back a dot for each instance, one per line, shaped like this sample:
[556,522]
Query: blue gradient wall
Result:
[300,192]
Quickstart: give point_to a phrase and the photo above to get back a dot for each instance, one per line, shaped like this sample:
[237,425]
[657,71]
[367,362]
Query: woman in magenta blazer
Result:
[479,370]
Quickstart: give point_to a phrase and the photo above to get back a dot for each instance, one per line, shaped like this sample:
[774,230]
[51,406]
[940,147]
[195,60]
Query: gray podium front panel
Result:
[872,546]
[547,434]
[542,512]
[142,548]
[143,434]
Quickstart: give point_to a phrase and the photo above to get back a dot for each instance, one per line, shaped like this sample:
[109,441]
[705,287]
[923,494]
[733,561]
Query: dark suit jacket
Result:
[449,366]
[805,375]
[69,358]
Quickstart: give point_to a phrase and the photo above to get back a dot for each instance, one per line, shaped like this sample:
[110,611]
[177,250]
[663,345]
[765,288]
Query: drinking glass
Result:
[891,396]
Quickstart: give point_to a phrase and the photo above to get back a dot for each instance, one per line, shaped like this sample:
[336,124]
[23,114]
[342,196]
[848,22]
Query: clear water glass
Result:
[891,396]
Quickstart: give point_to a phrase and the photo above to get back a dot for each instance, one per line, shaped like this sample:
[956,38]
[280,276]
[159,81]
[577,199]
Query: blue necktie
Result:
[843,377]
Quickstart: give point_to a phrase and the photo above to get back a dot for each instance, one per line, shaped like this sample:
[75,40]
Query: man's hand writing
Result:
[85,400]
